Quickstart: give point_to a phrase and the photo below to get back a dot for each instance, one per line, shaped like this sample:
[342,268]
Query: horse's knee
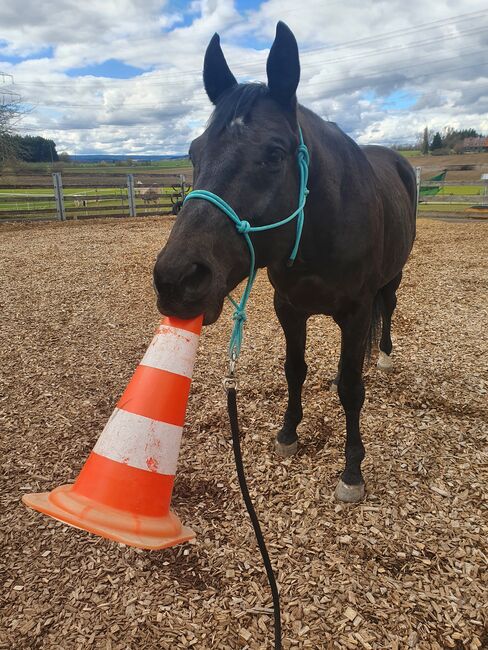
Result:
[296,371]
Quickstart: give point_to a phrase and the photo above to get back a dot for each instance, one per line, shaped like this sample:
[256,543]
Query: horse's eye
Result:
[275,156]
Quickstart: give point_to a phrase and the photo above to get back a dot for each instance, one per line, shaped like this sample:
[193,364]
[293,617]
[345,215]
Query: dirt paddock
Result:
[405,569]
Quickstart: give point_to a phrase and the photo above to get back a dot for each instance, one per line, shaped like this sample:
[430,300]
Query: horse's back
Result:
[396,185]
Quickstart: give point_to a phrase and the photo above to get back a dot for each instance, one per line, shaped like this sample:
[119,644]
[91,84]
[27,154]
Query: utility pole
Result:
[7,95]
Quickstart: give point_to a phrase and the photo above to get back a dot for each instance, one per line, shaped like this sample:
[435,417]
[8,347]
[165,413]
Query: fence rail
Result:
[79,195]
[76,195]
[428,183]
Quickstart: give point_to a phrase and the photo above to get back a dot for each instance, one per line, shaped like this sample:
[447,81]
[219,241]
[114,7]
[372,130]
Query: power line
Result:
[420,76]
[423,62]
[445,22]
[360,56]
[139,126]
[401,32]
[201,94]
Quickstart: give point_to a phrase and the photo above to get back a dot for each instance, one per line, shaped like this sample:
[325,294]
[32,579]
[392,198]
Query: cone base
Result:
[65,505]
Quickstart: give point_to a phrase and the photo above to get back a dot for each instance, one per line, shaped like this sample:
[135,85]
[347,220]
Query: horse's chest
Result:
[309,293]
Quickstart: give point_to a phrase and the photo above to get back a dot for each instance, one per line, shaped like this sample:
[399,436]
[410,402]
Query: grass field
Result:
[107,168]
[443,207]
[462,190]
[408,153]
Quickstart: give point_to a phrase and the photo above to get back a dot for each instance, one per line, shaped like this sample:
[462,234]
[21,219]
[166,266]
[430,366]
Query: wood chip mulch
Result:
[407,568]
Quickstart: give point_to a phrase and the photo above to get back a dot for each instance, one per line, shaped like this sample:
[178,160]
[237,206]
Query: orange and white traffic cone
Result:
[123,491]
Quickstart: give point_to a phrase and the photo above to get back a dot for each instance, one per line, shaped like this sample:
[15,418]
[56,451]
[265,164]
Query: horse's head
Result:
[248,157]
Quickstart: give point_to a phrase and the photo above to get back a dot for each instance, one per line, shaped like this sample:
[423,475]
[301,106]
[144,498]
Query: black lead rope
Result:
[236,444]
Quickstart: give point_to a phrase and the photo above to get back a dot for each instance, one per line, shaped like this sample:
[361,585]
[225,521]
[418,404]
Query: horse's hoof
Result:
[333,387]
[385,362]
[349,493]
[285,451]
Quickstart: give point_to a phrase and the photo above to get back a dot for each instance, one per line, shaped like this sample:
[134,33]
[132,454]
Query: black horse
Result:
[358,231]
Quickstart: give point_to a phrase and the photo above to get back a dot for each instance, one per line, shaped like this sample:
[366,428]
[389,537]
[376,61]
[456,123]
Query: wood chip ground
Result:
[405,569]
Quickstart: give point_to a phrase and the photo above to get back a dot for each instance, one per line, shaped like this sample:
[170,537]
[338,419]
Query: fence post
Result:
[58,194]
[417,177]
[131,195]
[182,179]
[484,177]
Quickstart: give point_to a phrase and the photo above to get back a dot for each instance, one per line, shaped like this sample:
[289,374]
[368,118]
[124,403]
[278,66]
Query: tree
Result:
[452,137]
[436,142]
[32,148]
[425,142]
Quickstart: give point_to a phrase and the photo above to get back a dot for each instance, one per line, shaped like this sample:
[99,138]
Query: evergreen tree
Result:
[436,142]
[451,137]
[32,148]
[425,142]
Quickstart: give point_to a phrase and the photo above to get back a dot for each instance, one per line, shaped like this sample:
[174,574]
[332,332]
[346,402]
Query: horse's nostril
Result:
[197,280]
[175,286]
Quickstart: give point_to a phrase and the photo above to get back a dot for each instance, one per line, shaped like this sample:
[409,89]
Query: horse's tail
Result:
[376,323]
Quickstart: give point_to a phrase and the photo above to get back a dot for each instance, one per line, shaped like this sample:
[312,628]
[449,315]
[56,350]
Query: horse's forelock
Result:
[235,105]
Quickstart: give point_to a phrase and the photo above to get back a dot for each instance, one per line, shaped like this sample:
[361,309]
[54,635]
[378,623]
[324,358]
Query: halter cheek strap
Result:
[243,227]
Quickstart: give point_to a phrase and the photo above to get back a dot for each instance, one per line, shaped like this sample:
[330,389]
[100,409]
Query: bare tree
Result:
[11,112]
[8,145]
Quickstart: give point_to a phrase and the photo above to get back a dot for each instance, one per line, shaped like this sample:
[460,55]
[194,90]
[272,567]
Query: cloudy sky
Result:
[124,76]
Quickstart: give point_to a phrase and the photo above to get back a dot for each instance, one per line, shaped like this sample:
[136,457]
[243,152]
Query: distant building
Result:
[475,144]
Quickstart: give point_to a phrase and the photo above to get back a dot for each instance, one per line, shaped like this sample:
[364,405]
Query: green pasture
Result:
[106,167]
[409,153]
[443,207]
[461,190]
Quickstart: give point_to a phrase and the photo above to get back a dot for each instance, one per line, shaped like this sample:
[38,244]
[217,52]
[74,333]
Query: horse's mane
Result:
[236,102]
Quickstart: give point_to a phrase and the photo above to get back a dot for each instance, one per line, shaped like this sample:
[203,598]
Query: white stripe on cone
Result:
[140,442]
[172,349]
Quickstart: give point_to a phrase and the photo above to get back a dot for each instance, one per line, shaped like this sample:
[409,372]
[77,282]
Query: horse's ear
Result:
[283,67]
[217,76]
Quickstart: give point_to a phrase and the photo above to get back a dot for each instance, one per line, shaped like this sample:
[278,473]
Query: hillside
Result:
[474,165]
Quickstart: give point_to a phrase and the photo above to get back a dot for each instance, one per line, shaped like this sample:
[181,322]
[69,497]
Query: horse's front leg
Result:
[355,331]
[294,324]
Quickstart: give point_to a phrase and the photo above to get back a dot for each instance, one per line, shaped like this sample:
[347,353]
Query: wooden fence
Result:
[75,194]
[80,194]
[449,197]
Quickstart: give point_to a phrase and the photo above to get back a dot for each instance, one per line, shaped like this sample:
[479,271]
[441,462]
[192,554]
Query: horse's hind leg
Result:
[294,324]
[388,304]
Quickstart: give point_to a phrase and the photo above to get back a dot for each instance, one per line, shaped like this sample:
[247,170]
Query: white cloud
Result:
[355,58]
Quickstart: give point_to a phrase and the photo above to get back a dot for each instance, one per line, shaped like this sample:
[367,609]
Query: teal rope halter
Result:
[244,228]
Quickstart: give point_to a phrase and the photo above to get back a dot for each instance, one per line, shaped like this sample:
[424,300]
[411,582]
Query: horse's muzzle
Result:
[184,292]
